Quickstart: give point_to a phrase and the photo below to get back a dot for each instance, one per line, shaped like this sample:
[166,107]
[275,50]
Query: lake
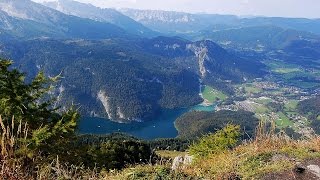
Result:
[160,127]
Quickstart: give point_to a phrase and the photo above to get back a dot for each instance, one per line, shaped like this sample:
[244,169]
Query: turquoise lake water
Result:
[161,127]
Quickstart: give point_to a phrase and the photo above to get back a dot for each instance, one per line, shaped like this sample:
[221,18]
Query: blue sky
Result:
[282,8]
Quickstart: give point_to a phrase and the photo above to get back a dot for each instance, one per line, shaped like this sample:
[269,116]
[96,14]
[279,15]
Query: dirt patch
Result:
[307,170]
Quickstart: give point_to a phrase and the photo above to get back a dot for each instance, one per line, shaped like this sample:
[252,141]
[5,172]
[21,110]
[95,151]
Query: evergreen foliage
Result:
[31,106]
[39,133]
[195,124]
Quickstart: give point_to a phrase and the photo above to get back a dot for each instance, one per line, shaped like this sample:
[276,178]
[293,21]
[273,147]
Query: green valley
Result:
[212,95]
[93,92]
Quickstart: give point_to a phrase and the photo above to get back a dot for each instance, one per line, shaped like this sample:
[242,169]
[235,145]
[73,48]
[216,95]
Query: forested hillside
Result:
[127,81]
[195,124]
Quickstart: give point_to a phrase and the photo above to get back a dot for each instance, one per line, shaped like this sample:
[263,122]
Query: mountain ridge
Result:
[108,15]
[31,20]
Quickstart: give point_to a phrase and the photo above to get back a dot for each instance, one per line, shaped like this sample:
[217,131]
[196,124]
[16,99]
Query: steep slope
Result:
[128,80]
[89,11]
[26,19]
[111,78]
[209,58]
[189,25]
[170,22]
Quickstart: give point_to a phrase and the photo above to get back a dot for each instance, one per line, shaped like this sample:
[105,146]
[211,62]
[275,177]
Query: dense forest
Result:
[39,134]
[45,133]
[172,144]
[135,78]
[195,124]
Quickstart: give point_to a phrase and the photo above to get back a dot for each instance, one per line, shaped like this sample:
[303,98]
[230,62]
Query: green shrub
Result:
[217,142]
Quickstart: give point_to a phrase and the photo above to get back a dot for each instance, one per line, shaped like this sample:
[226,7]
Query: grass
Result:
[286,70]
[291,113]
[146,172]
[291,105]
[261,109]
[251,89]
[290,73]
[267,153]
[263,101]
[283,67]
[170,154]
[212,95]
[283,121]
[277,91]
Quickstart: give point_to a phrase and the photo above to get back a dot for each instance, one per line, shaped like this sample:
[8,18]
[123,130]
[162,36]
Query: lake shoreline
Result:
[160,127]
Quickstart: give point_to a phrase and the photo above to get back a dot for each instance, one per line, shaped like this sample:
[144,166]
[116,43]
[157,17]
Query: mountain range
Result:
[111,16]
[128,65]
[180,23]
[26,19]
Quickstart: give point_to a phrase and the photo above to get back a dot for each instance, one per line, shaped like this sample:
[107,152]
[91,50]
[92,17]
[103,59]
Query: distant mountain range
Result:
[179,23]
[26,19]
[260,38]
[168,22]
[112,16]
[128,65]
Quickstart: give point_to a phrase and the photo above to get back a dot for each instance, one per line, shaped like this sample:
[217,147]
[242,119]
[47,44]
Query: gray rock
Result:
[314,169]
[177,162]
[181,162]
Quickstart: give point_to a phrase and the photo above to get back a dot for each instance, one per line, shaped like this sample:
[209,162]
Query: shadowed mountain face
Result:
[127,81]
[26,19]
[112,16]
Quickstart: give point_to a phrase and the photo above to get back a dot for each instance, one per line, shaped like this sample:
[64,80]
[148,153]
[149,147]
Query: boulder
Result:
[181,161]
[314,169]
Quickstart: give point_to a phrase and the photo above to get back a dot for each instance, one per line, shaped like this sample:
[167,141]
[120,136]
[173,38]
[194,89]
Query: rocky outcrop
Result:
[201,53]
[105,102]
[180,162]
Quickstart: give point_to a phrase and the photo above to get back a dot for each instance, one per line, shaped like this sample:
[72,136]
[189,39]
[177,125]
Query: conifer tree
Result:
[31,105]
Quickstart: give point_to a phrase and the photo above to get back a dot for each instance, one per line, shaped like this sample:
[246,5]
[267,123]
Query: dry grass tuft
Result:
[268,152]
[11,167]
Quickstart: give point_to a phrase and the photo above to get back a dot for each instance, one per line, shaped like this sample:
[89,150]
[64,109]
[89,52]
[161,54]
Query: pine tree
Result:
[30,105]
